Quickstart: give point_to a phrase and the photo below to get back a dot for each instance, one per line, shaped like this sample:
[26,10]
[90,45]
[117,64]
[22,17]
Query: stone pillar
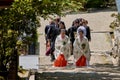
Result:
[118,5]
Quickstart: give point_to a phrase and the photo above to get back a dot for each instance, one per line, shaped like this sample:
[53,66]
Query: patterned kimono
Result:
[62,46]
[81,47]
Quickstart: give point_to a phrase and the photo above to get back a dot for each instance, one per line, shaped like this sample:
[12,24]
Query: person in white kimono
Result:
[62,45]
[82,28]
[81,47]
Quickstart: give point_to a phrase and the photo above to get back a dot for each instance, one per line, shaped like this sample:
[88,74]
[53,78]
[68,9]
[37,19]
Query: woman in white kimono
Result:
[81,47]
[62,45]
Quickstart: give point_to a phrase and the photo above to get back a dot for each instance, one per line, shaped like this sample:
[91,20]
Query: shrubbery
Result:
[98,3]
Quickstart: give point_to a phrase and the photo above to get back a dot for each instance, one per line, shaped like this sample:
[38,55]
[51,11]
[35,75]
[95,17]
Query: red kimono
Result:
[81,61]
[60,61]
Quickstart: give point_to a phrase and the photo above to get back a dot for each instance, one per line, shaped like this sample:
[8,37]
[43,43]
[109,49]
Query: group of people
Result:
[62,43]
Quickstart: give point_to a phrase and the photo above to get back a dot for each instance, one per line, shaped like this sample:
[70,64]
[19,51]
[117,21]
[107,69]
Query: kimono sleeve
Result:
[57,43]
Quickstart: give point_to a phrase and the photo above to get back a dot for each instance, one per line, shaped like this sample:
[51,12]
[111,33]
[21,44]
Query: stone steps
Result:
[95,73]
[99,69]
[65,76]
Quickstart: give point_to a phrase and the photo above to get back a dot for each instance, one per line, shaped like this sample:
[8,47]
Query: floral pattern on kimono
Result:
[81,47]
[62,46]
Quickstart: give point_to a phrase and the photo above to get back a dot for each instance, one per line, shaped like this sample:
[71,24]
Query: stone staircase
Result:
[103,72]
[100,68]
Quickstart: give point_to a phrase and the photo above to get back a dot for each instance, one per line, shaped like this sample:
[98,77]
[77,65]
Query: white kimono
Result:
[62,46]
[78,49]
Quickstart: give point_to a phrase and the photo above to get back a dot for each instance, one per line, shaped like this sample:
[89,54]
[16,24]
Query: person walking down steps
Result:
[81,50]
[62,49]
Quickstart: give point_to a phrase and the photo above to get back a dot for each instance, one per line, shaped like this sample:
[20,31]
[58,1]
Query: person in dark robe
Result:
[88,33]
[52,33]
[72,33]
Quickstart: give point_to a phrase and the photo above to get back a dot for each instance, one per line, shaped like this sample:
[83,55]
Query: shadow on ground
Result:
[93,72]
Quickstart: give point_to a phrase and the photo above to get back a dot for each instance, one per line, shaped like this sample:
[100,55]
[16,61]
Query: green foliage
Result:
[18,24]
[94,3]
[116,22]
[2,78]
[44,8]
[98,3]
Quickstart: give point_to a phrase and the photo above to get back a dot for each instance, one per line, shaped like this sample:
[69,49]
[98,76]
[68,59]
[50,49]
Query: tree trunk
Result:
[4,74]
[14,67]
